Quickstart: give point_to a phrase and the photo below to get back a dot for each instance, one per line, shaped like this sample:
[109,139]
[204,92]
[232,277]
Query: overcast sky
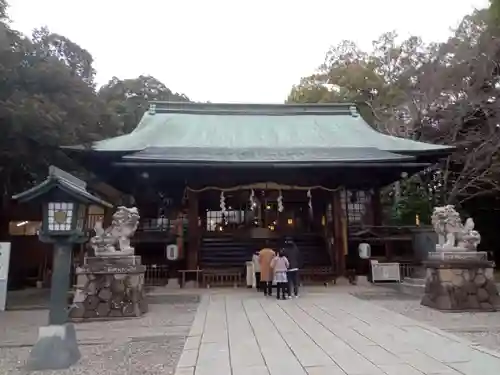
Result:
[230,50]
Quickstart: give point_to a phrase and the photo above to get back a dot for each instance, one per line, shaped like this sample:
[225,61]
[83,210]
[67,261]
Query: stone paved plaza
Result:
[325,331]
[322,334]
[149,345]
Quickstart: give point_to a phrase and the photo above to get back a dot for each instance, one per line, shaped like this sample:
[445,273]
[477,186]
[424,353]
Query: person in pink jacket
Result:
[280,265]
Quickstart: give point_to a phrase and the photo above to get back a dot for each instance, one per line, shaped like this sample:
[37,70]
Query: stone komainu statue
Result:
[123,226]
[452,234]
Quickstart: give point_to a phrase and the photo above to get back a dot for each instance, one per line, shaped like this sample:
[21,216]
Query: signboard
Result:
[385,272]
[4,272]
[172,252]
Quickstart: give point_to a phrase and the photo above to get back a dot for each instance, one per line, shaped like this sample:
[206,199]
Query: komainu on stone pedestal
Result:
[452,234]
[123,226]
[109,288]
[458,277]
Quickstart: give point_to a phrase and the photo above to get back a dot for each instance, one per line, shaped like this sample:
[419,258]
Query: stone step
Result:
[412,286]
[414,281]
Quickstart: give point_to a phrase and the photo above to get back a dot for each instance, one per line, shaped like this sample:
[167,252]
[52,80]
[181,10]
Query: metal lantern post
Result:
[65,201]
[63,224]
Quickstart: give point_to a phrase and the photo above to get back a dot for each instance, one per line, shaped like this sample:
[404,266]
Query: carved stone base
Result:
[460,285]
[109,288]
[458,255]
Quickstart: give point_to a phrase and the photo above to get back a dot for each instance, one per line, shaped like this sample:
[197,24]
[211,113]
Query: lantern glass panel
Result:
[60,216]
[80,221]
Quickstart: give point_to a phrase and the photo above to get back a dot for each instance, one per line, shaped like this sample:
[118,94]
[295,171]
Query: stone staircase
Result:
[226,251]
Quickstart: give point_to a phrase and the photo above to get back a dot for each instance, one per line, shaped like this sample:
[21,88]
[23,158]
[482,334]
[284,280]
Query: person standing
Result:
[294,258]
[266,255]
[280,266]
[256,268]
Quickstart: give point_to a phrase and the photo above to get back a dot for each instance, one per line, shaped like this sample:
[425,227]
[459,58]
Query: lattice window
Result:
[357,204]
[162,224]
[216,219]
[24,228]
[329,213]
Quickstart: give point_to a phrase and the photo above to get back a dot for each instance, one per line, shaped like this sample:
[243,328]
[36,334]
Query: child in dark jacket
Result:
[293,255]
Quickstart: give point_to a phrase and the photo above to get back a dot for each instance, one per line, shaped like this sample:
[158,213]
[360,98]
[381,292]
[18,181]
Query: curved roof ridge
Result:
[240,126]
[254,108]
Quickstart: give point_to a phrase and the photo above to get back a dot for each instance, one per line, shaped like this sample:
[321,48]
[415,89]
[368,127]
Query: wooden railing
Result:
[407,269]
[380,233]
[156,275]
[318,275]
[222,277]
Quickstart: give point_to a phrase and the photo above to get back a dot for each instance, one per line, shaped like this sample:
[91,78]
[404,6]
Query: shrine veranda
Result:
[218,180]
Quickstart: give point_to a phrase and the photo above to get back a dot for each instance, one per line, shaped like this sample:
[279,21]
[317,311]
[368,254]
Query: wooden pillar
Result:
[377,207]
[339,232]
[81,253]
[329,231]
[193,231]
[108,217]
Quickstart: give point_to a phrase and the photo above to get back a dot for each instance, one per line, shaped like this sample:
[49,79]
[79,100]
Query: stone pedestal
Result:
[56,348]
[109,287]
[460,282]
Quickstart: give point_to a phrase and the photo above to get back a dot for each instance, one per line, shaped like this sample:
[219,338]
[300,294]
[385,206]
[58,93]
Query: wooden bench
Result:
[318,275]
[222,277]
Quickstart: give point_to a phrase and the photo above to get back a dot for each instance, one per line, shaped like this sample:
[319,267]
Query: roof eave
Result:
[55,183]
[267,164]
[437,152]
[86,150]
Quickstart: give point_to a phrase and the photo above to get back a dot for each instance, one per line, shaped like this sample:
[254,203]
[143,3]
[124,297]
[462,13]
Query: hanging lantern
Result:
[280,203]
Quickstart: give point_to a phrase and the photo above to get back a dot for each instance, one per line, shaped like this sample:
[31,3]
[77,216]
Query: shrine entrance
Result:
[284,211]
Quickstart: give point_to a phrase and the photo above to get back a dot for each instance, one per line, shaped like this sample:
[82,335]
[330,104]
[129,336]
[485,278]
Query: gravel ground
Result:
[148,345]
[480,328]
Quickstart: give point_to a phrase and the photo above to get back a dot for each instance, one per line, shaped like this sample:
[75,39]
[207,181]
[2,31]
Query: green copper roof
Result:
[262,126]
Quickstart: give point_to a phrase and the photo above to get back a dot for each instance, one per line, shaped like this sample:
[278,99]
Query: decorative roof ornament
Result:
[152,109]
[354,111]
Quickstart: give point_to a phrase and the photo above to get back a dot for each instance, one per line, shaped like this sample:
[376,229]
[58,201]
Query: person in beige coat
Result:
[266,255]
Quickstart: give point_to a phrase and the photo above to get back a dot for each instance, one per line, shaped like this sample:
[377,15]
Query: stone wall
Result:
[461,286]
[109,289]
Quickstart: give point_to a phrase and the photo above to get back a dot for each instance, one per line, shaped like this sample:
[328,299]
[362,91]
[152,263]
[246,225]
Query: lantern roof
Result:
[62,181]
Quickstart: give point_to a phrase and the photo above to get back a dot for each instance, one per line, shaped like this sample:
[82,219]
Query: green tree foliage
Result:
[129,98]
[495,11]
[78,60]
[414,200]
[48,99]
[444,93]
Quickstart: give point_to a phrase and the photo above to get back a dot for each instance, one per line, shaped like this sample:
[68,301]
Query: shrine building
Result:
[218,180]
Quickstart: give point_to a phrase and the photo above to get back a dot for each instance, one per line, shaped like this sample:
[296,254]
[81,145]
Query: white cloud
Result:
[230,51]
